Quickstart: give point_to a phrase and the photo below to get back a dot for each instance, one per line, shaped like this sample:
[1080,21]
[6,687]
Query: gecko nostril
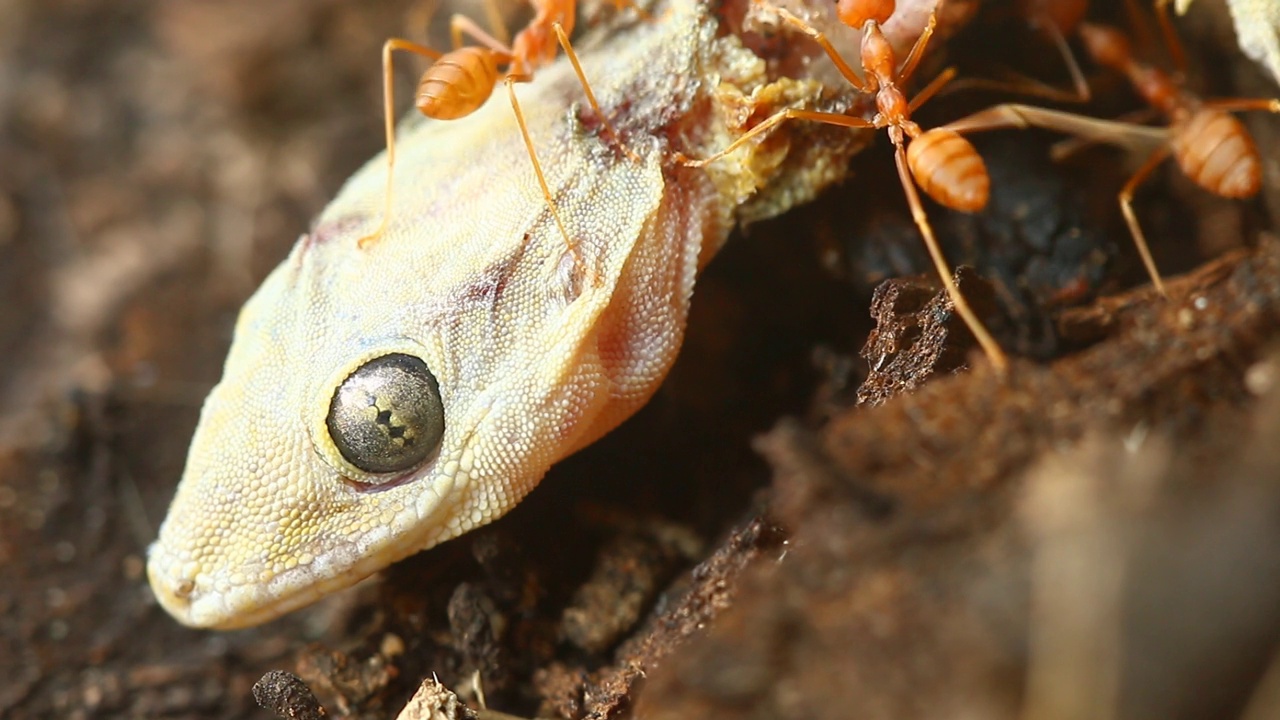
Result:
[387,416]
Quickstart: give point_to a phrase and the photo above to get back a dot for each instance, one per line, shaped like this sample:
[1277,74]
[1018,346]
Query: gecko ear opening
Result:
[387,416]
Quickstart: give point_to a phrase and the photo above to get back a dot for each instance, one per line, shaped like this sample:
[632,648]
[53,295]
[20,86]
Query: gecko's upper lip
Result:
[211,600]
[221,596]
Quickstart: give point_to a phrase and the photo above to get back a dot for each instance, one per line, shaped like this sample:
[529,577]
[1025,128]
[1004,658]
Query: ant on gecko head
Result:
[944,164]
[1212,148]
[460,81]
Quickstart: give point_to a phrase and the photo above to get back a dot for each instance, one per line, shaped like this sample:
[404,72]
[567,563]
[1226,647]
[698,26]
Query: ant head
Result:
[856,13]
[1106,45]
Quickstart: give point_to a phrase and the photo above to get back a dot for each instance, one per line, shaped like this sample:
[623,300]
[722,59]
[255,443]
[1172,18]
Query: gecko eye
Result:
[387,415]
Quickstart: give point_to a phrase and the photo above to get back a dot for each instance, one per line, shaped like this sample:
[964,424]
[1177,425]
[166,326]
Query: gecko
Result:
[378,400]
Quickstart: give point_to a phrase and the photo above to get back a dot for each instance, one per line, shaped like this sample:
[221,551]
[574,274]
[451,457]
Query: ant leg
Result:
[1240,104]
[537,166]
[997,117]
[1142,41]
[496,22]
[1019,84]
[1093,130]
[460,25]
[777,119]
[1126,207]
[1064,149]
[1176,53]
[917,50]
[1082,92]
[970,318]
[1025,85]
[931,89]
[1016,116]
[830,49]
[563,37]
[388,115]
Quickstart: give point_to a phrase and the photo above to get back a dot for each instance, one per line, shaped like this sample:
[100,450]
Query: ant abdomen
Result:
[949,169]
[1216,152]
[457,84]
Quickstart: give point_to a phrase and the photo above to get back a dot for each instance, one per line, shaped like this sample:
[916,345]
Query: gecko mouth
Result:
[225,600]
[228,596]
[225,595]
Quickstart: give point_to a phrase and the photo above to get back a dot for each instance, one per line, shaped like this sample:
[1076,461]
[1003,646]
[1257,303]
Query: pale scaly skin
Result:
[534,360]
[1257,30]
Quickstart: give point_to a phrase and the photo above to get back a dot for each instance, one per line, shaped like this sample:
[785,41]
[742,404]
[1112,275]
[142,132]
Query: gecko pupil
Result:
[387,415]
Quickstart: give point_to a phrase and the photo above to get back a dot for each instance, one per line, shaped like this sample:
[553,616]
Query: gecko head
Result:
[279,513]
[383,396]
[297,487]
[351,428]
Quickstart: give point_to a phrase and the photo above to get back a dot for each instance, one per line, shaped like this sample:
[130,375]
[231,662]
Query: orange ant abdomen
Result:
[949,169]
[458,83]
[1216,152]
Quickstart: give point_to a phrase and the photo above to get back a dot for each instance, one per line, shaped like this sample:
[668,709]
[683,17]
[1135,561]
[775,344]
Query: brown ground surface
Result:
[1092,536]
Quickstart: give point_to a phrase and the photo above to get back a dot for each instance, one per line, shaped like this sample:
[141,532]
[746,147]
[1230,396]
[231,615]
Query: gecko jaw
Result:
[226,599]
[202,600]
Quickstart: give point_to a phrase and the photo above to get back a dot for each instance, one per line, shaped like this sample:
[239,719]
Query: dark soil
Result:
[788,530]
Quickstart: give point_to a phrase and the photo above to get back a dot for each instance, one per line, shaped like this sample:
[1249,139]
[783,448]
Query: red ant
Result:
[1211,146]
[463,79]
[944,164]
